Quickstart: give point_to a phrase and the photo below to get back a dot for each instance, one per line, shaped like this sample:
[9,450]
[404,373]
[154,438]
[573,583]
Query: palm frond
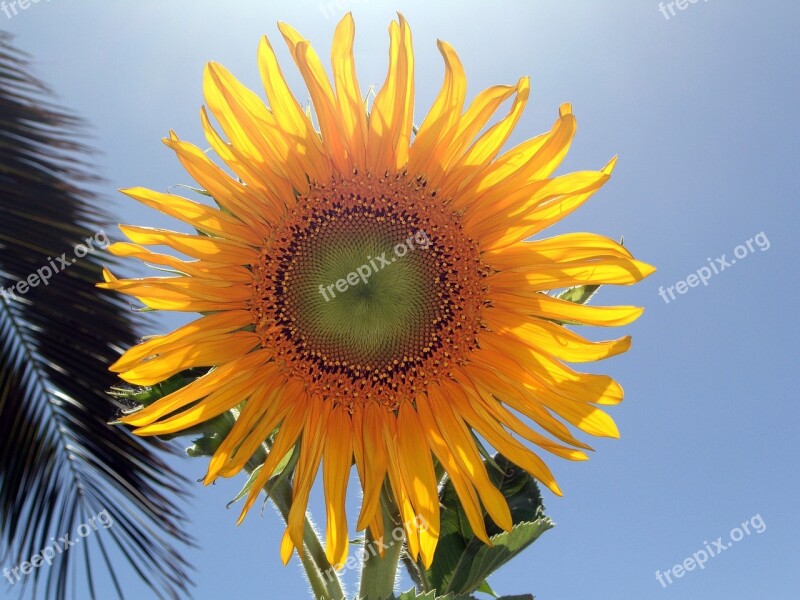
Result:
[60,461]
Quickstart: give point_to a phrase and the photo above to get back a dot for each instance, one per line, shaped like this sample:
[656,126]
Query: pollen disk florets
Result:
[409,295]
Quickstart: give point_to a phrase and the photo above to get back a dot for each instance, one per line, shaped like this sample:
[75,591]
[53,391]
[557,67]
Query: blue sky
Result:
[701,109]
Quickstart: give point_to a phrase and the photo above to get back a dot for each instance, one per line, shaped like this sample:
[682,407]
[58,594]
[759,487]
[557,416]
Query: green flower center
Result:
[367,286]
[362,289]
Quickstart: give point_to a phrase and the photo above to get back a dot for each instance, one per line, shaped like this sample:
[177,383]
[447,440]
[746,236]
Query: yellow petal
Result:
[290,430]
[368,430]
[489,144]
[202,247]
[199,388]
[182,287]
[542,217]
[472,122]
[502,441]
[348,93]
[322,97]
[530,161]
[542,371]
[206,353]
[253,131]
[199,269]
[216,403]
[257,208]
[202,328]
[335,474]
[486,404]
[288,395]
[461,482]
[204,218]
[541,305]
[586,417]
[398,485]
[311,446]
[290,115]
[492,211]
[524,399]
[551,338]
[459,440]
[569,246]
[268,203]
[416,468]
[392,115]
[439,127]
[262,406]
[550,276]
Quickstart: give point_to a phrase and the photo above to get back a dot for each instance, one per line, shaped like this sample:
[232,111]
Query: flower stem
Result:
[378,573]
[322,577]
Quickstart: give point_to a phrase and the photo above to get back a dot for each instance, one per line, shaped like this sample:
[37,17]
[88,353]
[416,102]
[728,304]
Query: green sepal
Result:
[580,294]
[485,588]
[284,468]
[210,435]
[193,189]
[247,486]
[412,594]
[139,397]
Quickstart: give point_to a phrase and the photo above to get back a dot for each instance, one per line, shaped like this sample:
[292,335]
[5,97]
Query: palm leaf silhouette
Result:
[60,462]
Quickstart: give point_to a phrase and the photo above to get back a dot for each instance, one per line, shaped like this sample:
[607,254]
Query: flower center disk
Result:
[368,289]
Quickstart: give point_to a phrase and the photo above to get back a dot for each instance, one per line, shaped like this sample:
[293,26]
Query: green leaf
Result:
[505,547]
[462,563]
[520,491]
[454,537]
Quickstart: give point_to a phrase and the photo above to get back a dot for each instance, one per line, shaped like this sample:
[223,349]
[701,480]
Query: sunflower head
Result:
[370,292]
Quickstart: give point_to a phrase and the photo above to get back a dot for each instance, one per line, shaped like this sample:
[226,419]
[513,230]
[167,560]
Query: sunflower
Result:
[453,338]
